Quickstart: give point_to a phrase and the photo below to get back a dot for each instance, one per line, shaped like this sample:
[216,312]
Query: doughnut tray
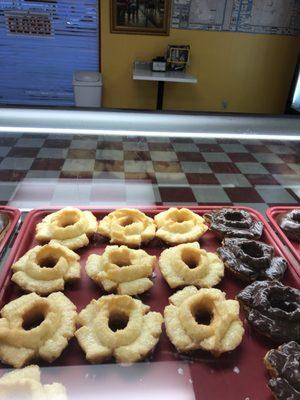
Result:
[14,215]
[239,374]
[273,213]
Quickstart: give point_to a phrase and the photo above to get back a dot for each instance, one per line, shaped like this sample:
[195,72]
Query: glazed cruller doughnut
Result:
[127,226]
[26,383]
[231,222]
[45,269]
[118,326]
[272,309]
[32,326]
[121,269]
[203,319]
[70,227]
[187,264]
[176,226]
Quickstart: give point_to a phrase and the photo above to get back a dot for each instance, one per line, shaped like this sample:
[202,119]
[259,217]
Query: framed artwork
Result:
[146,17]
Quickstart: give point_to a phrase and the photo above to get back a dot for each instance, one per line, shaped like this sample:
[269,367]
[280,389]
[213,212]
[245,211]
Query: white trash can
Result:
[87,86]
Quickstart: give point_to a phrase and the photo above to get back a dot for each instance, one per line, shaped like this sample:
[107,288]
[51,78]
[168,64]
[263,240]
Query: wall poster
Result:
[281,17]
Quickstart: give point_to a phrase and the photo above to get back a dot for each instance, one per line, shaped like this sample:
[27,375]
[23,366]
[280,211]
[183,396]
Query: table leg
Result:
[160,95]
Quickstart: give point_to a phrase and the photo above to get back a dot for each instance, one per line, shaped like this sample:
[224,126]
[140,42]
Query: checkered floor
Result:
[43,170]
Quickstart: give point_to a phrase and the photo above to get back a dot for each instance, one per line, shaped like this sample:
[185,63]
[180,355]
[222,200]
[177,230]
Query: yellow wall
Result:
[252,73]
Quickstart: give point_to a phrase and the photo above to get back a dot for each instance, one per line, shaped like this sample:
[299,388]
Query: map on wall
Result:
[280,17]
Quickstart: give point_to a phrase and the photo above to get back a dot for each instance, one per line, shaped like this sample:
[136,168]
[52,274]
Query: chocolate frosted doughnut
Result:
[232,222]
[283,365]
[4,223]
[290,224]
[250,260]
[272,309]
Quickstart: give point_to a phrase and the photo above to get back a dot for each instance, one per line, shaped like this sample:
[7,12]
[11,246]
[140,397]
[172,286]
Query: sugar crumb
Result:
[236,370]
[180,371]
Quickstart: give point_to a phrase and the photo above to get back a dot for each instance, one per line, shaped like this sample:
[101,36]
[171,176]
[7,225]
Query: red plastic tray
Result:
[273,213]
[14,215]
[236,375]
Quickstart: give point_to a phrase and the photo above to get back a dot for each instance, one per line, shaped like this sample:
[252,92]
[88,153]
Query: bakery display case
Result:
[145,257]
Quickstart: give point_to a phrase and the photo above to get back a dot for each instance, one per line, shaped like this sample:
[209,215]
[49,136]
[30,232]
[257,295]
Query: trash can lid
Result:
[87,78]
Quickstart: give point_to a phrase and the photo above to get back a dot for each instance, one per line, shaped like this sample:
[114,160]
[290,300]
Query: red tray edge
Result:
[5,271]
[270,214]
[16,213]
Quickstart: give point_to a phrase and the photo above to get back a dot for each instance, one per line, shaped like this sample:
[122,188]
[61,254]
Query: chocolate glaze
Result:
[272,309]
[4,222]
[232,222]
[290,224]
[283,365]
[251,260]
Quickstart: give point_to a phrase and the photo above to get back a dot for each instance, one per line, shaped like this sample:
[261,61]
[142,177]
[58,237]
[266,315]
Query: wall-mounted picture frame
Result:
[141,17]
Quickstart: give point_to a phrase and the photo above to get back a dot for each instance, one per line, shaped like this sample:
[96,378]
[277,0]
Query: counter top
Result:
[142,71]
